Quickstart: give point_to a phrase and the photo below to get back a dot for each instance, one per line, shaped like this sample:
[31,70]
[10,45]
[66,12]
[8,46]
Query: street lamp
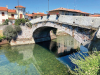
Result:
[18,9]
[48,5]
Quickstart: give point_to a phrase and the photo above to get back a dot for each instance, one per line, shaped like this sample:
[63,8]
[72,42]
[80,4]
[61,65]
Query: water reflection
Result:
[29,60]
[37,59]
[18,60]
[61,46]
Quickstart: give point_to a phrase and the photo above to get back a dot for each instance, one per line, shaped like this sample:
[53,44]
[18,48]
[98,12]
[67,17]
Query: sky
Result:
[89,6]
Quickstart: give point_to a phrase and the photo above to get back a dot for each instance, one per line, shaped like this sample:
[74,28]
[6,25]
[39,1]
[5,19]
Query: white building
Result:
[3,14]
[71,12]
[12,14]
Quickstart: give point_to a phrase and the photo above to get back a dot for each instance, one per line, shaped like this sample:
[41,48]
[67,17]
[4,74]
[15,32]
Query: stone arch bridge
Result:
[79,27]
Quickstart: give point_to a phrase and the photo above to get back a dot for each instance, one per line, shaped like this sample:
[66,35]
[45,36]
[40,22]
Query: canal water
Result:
[46,58]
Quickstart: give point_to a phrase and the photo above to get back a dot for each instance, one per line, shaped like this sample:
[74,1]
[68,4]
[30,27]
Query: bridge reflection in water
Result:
[61,47]
[38,59]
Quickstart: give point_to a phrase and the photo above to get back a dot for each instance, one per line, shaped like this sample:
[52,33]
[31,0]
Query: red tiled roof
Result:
[71,10]
[19,6]
[38,14]
[11,10]
[11,18]
[29,15]
[94,15]
[34,14]
[3,9]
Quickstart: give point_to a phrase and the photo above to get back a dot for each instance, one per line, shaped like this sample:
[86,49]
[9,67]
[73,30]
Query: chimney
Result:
[6,6]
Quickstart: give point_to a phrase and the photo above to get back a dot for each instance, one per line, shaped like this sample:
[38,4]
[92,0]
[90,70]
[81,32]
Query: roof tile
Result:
[3,9]
[71,10]
[11,11]
[19,6]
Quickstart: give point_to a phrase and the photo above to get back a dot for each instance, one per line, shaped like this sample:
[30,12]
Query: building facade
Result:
[20,10]
[3,14]
[11,14]
[64,11]
[35,15]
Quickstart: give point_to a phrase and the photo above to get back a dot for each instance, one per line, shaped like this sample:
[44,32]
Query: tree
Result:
[11,31]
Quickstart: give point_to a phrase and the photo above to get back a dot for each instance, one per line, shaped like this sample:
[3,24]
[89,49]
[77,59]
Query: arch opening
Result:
[44,34]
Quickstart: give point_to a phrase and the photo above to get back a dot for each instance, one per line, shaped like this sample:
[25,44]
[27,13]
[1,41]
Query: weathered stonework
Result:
[72,25]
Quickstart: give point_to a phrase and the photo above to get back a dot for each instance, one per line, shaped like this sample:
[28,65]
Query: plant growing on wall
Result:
[29,24]
[26,20]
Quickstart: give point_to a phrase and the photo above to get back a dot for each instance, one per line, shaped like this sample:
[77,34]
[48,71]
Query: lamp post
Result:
[48,6]
[18,9]
[74,4]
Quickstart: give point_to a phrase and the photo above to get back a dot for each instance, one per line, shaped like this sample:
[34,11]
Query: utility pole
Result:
[18,9]
[48,6]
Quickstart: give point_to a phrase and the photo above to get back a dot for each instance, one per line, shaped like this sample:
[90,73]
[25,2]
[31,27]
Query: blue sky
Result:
[90,6]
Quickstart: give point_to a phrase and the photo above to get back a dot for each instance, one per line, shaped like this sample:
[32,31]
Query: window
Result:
[3,14]
[12,15]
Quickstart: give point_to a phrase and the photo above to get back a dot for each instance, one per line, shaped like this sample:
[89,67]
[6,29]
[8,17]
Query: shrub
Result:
[18,28]
[17,22]
[29,24]
[2,37]
[11,31]
[89,66]
[27,20]
[23,20]
[6,22]
[20,21]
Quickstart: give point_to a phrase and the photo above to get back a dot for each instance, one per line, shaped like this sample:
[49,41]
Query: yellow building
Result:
[20,10]
[11,16]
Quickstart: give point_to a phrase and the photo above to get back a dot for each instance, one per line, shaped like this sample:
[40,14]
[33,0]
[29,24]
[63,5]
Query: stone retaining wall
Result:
[4,42]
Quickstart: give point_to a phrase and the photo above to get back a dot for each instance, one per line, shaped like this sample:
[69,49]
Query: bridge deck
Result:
[80,21]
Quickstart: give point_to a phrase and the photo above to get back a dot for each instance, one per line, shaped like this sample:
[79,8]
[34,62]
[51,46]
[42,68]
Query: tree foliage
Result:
[21,21]
[6,22]
[11,31]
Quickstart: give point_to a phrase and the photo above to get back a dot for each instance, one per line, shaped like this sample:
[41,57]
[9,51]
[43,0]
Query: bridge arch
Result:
[43,33]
